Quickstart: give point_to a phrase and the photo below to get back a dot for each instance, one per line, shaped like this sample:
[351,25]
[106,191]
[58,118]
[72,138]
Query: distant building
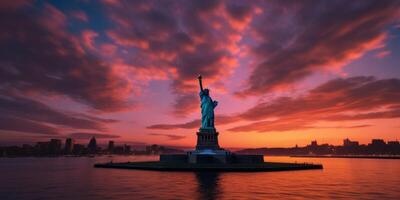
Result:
[154,149]
[119,150]
[79,149]
[52,147]
[55,146]
[69,146]
[378,142]
[349,143]
[314,143]
[127,149]
[42,148]
[393,143]
[377,146]
[92,146]
[110,146]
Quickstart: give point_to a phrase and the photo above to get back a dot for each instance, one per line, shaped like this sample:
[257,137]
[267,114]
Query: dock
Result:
[232,167]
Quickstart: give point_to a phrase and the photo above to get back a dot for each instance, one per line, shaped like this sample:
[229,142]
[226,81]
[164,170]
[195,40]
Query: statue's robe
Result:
[207,111]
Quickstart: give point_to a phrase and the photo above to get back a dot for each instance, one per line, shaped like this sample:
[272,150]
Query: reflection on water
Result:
[208,185]
[75,178]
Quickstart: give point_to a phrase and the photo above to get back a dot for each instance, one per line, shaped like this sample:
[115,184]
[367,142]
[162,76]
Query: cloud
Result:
[344,127]
[276,125]
[88,37]
[220,120]
[186,37]
[383,54]
[54,62]
[79,15]
[26,126]
[185,103]
[342,99]
[169,136]
[308,36]
[44,54]
[12,5]
[369,115]
[357,94]
[290,124]
[28,110]
[206,37]
[24,115]
[85,135]
[189,125]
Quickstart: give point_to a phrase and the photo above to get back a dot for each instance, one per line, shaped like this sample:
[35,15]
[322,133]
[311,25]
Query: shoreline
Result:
[249,167]
[346,156]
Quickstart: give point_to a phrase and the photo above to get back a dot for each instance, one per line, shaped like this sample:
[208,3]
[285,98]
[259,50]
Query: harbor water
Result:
[75,178]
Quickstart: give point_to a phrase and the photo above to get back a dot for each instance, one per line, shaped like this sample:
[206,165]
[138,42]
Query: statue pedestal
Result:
[207,148]
[208,152]
[207,138]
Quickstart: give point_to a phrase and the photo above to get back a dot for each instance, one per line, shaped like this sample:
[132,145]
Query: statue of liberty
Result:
[207,107]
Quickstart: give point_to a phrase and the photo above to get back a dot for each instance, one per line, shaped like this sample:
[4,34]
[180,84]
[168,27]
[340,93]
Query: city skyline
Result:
[377,148]
[105,141]
[283,73]
[70,142]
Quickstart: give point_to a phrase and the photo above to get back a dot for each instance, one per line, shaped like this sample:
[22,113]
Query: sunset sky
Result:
[283,72]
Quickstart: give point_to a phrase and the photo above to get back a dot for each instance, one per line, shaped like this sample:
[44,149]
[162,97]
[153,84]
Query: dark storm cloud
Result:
[85,135]
[298,38]
[342,99]
[39,55]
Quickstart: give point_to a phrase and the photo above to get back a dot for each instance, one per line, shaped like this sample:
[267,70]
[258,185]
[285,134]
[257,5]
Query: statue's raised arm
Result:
[200,83]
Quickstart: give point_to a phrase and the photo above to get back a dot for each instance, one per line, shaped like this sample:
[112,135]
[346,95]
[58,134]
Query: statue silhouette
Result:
[207,107]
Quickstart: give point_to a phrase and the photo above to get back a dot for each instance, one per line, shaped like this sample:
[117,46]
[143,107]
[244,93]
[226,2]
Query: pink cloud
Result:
[80,15]
[56,64]
[383,54]
[88,37]
[185,42]
[108,49]
[308,39]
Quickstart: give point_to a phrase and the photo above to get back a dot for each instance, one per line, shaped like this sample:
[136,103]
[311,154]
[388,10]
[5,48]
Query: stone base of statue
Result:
[207,148]
[207,138]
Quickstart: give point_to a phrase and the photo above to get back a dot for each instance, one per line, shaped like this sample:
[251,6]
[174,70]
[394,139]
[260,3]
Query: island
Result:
[208,155]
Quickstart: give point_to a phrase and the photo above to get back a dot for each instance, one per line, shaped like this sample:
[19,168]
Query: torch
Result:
[200,83]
